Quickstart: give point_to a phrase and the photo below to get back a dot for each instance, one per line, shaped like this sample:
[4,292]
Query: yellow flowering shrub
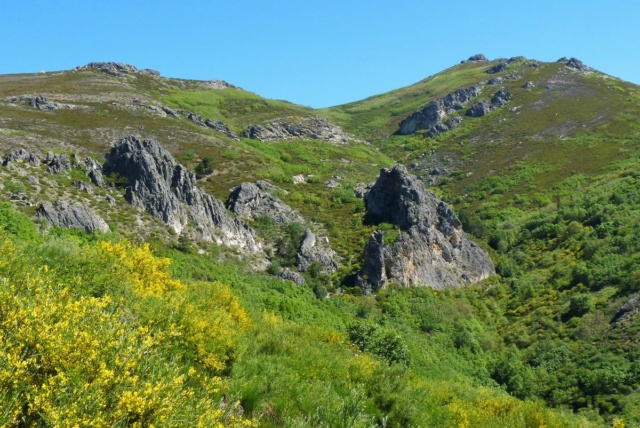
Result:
[68,360]
[148,274]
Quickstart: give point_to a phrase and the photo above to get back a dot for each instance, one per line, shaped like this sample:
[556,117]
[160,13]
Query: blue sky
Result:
[315,53]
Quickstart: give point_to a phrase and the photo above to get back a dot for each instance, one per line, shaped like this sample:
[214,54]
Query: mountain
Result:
[461,251]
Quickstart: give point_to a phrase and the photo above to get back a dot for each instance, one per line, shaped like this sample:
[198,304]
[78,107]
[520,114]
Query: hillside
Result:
[491,282]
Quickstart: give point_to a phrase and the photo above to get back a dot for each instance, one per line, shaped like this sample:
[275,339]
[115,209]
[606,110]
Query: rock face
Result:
[316,251]
[434,112]
[478,58]
[119,69]
[216,125]
[440,127]
[94,171]
[630,308]
[74,216]
[21,155]
[166,190]
[431,249]
[248,201]
[497,68]
[289,275]
[59,163]
[308,128]
[574,63]
[39,101]
[481,108]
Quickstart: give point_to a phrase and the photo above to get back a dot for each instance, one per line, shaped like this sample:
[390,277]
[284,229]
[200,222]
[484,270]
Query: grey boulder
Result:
[73,216]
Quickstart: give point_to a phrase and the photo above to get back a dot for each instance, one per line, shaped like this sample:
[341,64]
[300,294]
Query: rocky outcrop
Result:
[248,201]
[289,275]
[440,127]
[308,128]
[39,101]
[94,171]
[481,108]
[477,58]
[216,125]
[167,190]
[630,308]
[73,216]
[119,69]
[574,63]
[58,163]
[433,113]
[430,249]
[497,68]
[317,251]
[221,84]
[21,156]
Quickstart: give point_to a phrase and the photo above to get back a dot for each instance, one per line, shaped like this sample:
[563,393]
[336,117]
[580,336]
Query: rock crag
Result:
[73,216]
[432,115]
[248,201]
[308,128]
[167,190]
[431,249]
[481,108]
[119,69]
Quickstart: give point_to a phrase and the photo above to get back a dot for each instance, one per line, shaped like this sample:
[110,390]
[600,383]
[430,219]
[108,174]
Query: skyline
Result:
[317,53]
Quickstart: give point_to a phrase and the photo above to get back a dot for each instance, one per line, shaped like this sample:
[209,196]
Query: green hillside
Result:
[188,333]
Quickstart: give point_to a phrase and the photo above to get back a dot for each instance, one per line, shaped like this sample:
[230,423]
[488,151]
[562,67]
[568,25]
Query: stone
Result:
[440,127]
[94,171]
[197,119]
[431,249]
[72,216]
[289,275]
[495,81]
[168,191]
[21,156]
[60,163]
[630,308]
[170,111]
[331,184]
[497,68]
[221,84]
[500,98]
[528,85]
[308,128]
[576,64]
[317,251]
[435,111]
[39,101]
[83,187]
[298,179]
[478,58]
[248,201]
[119,69]
[268,187]
[479,109]
[110,200]
[220,126]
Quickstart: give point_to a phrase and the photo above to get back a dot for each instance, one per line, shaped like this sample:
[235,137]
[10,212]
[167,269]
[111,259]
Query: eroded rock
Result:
[248,201]
[434,112]
[308,128]
[72,216]
[168,191]
[429,247]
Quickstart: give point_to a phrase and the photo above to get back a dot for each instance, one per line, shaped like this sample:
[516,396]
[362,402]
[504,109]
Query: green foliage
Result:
[17,224]
[205,167]
[379,341]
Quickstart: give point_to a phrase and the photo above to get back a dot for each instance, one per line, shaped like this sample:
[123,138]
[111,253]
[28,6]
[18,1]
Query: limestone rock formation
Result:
[440,127]
[481,108]
[119,69]
[216,125]
[248,201]
[314,250]
[434,112]
[497,68]
[431,249]
[308,128]
[478,58]
[168,191]
[59,163]
[73,216]
[39,101]
[289,275]
[94,171]
[21,155]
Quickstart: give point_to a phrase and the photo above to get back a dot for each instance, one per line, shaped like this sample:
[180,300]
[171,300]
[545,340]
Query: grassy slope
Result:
[509,175]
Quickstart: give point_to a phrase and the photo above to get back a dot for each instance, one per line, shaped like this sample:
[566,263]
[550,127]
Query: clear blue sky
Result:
[315,53]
